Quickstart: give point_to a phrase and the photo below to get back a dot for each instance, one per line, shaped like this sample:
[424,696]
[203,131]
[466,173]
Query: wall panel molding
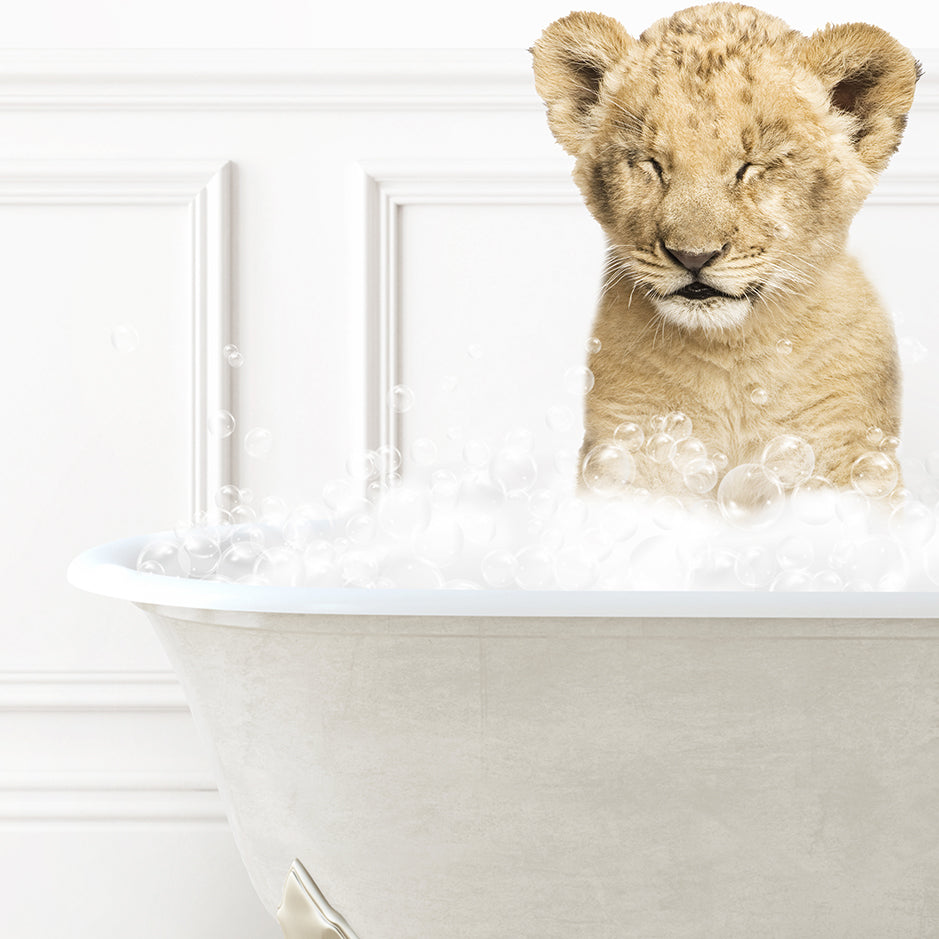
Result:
[203,189]
[330,79]
[390,187]
[86,701]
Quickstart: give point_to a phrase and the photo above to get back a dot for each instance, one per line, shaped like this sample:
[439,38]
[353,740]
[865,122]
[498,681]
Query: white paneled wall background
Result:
[351,221]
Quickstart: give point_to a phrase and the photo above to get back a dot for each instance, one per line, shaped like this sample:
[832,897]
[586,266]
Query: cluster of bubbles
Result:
[498,519]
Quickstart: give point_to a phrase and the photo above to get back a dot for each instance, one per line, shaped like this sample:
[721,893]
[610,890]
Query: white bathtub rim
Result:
[109,570]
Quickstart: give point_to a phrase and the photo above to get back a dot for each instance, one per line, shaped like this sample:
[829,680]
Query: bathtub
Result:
[539,765]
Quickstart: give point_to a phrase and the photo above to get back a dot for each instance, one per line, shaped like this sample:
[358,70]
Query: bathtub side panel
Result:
[473,786]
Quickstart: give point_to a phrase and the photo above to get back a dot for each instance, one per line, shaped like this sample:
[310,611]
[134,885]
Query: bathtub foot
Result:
[304,912]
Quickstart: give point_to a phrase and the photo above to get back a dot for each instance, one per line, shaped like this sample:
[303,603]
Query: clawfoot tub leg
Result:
[304,912]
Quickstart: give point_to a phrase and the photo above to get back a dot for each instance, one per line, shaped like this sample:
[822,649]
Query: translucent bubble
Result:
[783,347]
[559,418]
[361,528]
[593,345]
[362,464]
[239,559]
[401,398]
[258,443]
[199,554]
[476,453]
[795,552]
[875,560]
[534,568]
[498,568]
[911,349]
[243,515]
[759,395]
[700,476]
[874,474]
[578,380]
[514,469]
[227,497]
[720,460]
[814,500]
[687,450]
[659,447]
[608,469]
[629,435]
[889,444]
[853,508]
[755,566]
[124,338]
[424,451]
[232,355]
[566,463]
[244,533]
[409,573]
[160,557]
[389,459]
[404,511]
[342,496]
[827,580]
[221,423]
[475,351]
[305,524]
[543,504]
[792,580]
[874,436]
[677,425]
[748,498]
[574,568]
[912,523]
[788,460]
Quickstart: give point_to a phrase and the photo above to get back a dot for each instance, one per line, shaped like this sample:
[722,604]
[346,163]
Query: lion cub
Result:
[725,155]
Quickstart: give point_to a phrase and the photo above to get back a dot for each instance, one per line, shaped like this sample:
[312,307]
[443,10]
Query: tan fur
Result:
[722,130]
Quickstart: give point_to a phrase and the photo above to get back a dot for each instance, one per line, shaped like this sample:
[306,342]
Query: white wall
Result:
[486,24]
[255,194]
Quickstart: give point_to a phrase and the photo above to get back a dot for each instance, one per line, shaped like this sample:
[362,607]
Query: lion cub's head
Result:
[723,153]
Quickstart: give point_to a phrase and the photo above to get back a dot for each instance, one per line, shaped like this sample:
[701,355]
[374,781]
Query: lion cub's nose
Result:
[692,260]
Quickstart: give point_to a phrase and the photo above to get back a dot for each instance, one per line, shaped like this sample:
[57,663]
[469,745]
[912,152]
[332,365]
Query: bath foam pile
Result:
[492,521]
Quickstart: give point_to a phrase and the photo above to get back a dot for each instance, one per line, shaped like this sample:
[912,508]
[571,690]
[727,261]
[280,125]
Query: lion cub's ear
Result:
[870,76]
[571,59]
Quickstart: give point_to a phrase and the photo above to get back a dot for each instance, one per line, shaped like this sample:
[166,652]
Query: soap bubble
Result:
[792,580]
[629,435]
[749,498]
[232,355]
[388,458]
[578,380]
[258,443]
[593,345]
[874,474]
[534,568]
[239,559]
[401,399]
[814,500]
[720,460]
[827,580]
[361,528]
[559,418]
[362,465]
[783,346]
[305,524]
[514,469]
[221,423]
[160,557]
[755,566]
[788,460]
[199,553]
[227,497]
[912,523]
[686,451]
[677,425]
[441,542]
[659,447]
[475,350]
[889,443]
[124,338]
[608,469]
[274,511]
[759,395]
[700,476]
[875,560]
[874,436]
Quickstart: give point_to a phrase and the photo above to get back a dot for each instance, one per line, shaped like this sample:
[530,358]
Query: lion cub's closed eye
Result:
[725,155]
